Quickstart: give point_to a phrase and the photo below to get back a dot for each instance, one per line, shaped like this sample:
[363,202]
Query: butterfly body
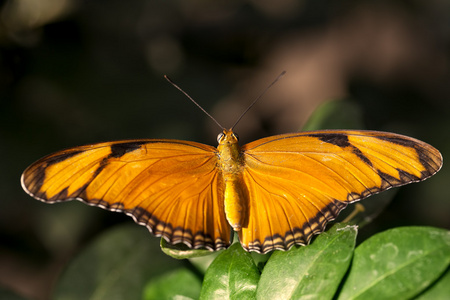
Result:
[231,165]
[275,192]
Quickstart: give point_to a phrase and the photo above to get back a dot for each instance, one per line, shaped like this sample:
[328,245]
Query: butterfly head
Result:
[227,137]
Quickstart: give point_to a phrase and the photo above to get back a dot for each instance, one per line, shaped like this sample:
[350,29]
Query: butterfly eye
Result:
[219,137]
[236,136]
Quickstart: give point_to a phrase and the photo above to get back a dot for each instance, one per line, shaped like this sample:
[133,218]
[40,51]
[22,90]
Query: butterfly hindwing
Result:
[172,187]
[299,182]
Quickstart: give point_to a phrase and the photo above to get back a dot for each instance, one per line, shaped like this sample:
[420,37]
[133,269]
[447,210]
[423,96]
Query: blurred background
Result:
[76,72]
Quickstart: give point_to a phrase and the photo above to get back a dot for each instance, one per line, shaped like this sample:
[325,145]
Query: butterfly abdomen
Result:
[231,165]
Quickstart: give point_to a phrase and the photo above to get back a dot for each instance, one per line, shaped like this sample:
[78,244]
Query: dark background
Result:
[78,72]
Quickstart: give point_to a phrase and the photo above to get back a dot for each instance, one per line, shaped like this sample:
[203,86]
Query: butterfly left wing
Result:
[296,183]
[172,187]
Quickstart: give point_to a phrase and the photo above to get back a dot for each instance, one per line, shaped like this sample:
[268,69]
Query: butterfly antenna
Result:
[190,98]
[259,97]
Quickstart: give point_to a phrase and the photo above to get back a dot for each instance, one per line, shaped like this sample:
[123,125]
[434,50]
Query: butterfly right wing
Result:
[172,187]
[296,183]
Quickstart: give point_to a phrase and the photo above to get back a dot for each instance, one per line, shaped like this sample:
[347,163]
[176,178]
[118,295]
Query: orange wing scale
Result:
[299,182]
[172,187]
[285,188]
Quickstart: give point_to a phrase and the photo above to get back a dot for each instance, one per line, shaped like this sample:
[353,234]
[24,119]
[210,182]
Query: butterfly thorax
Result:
[229,152]
[231,165]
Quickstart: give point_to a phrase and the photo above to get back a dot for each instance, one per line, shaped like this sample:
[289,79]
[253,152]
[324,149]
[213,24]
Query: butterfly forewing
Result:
[172,187]
[299,182]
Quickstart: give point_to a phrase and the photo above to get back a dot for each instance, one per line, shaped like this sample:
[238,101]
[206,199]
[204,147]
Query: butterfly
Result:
[275,192]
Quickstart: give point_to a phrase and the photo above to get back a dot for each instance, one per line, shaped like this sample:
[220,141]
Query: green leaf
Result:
[182,251]
[336,114]
[178,284]
[232,275]
[398,263]
[311,272]
[115,266]
[439,290]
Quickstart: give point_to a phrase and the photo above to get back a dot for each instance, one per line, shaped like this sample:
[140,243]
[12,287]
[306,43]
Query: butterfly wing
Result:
[298,182]
[172,187]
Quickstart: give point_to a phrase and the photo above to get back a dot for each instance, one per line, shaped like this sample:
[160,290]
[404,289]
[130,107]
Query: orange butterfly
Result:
[275,192]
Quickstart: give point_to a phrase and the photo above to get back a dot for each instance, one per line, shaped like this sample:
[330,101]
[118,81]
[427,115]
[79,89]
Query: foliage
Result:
[399,263]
